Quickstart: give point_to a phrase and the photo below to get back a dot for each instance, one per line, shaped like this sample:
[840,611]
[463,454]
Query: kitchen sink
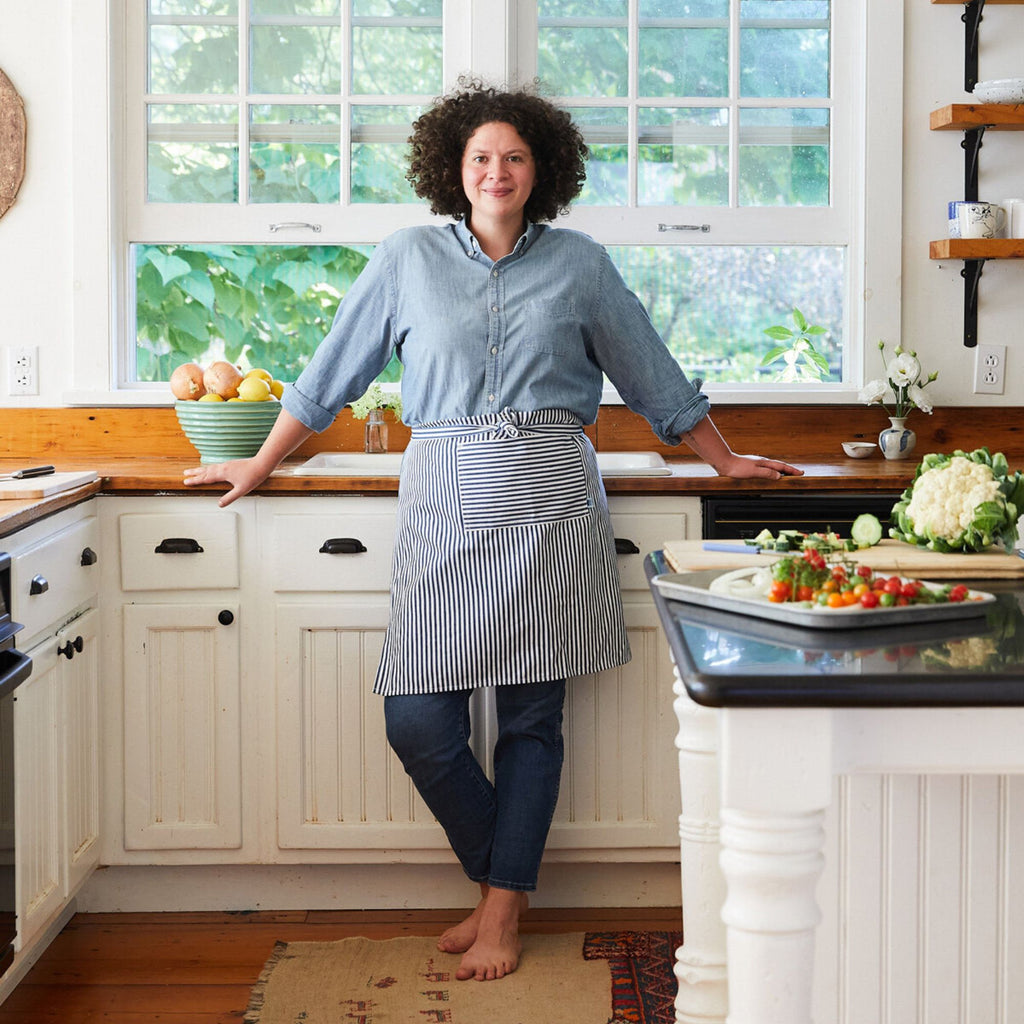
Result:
[389,464]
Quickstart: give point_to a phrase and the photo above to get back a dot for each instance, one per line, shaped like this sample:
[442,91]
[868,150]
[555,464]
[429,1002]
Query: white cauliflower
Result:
[945,498]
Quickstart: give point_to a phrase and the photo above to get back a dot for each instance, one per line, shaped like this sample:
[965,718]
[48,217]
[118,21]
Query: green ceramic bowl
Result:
[221,431]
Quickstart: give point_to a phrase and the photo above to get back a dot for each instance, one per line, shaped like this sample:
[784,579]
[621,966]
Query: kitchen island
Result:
[782,712]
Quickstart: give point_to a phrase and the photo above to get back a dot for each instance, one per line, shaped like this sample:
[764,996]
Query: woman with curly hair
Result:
[504,571]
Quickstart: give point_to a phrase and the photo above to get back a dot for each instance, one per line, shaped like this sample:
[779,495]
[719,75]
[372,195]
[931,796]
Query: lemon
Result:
[276,388]
[210,397]
[258,371]
[254,389]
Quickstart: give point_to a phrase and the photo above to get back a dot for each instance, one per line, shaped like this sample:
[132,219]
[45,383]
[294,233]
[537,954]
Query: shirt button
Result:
[469,252]
[494,350]
[490,398]
[494,273]
[494,309]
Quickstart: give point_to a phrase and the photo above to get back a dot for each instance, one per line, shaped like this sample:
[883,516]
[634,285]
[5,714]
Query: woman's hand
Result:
[242,474]
[739,467]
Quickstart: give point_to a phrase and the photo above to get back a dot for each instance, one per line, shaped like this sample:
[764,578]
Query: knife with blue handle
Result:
[746,549]
[25,474]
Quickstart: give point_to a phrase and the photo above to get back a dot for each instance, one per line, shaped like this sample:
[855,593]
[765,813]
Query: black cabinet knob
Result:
[88,557]
[226,617]
[39,585]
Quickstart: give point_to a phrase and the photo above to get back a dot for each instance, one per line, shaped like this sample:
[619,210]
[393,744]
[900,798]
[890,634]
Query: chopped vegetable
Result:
[866,530]
[960,502]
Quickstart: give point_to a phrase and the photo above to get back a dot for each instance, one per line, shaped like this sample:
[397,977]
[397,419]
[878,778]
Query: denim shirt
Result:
[534,330]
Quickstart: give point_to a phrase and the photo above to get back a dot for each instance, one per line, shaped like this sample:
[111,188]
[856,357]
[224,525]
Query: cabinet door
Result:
[79,671]
[182,744]
[339,784]
[37,798]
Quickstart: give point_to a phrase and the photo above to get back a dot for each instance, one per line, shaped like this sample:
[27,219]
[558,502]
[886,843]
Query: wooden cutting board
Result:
[44,486]
[888,556]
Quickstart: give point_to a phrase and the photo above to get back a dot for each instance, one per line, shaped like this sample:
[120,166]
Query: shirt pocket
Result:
[521,481]
[551,326]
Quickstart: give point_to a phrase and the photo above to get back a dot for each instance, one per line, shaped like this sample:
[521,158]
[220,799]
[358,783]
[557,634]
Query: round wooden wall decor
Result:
[12,143]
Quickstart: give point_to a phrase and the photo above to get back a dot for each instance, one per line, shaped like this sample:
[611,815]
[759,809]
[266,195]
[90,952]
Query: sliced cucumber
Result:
[866,530]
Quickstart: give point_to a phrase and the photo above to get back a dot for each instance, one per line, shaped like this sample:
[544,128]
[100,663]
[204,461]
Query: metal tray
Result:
[692,587]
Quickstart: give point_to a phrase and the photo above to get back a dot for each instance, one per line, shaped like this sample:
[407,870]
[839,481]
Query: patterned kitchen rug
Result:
[622,977]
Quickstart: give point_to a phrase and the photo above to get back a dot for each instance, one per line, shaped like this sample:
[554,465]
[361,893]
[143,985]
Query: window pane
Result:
[606,131]
[193,58]
[294,154]
[192,153]
[684,48]
[582,47]
[389,60]
[296,58]
[380,154]
[784,157]
[255,305]
[784,48]
[683,156]
[319,8]
[176,8]
[712,303]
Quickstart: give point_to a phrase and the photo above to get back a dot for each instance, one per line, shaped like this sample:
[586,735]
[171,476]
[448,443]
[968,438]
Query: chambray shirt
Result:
[532,331]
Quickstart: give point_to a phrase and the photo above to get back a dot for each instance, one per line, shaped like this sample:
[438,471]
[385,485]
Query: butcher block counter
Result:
[143,451]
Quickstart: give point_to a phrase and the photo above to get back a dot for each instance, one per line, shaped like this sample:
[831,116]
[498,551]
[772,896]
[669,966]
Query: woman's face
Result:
[498,172]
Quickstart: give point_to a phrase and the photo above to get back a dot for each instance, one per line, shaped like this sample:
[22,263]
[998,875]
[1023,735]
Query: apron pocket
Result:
[520,481]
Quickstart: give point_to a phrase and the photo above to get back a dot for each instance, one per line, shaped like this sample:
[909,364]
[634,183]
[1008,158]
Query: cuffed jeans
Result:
[498,830]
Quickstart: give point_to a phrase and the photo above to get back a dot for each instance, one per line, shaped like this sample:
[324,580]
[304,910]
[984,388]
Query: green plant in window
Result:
[802,361]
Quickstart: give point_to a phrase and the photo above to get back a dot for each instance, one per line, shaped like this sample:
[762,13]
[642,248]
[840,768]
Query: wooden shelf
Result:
[965,117]
[976,248]
[963,3]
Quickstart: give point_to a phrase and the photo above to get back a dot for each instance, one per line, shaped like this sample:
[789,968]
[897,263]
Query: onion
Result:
[222,379]
[187,381]
[751,583]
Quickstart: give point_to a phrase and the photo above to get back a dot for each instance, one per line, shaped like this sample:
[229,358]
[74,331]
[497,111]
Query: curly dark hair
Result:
[440,135]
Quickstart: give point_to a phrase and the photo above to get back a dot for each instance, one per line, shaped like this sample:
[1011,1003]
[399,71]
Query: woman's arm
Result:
[709,444]
[246,474]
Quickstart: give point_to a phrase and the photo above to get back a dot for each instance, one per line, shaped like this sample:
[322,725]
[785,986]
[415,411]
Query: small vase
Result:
[375,439]
[897,442]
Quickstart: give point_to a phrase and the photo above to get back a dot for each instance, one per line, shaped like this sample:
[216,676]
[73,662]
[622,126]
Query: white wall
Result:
[37,289]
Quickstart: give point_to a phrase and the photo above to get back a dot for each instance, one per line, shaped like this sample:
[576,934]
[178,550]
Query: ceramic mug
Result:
[980,220]
[952,217]
[1014,217]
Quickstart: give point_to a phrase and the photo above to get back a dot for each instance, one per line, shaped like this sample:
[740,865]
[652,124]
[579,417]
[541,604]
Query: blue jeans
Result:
[498,830]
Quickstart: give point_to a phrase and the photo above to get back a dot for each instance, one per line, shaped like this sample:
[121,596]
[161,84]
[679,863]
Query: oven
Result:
[15,668]
[745,516]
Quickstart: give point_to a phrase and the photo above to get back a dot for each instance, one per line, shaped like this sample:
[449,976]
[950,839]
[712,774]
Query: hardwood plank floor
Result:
[199,968]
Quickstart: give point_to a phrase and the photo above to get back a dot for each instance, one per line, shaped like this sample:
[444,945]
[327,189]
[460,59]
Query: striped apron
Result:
[504,567]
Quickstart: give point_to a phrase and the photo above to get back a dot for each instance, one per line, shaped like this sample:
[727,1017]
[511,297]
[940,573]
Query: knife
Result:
[24,474]
[746,549]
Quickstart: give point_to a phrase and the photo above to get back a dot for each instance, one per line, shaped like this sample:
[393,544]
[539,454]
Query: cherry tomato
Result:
[835,600]
[869,599]
[839,572]
[860,589]
[902,601]
[780,590]
[910,590]
[958,592]
[863,570]
[829,586]
[850,597]
[885,599]
[804,592]
[893,585]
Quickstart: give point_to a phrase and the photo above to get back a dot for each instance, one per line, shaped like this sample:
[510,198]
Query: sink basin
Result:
[389,464]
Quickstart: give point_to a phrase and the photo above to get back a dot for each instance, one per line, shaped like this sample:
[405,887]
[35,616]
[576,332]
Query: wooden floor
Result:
[199,968]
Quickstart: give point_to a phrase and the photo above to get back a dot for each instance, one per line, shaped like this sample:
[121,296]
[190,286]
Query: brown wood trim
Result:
[798,433]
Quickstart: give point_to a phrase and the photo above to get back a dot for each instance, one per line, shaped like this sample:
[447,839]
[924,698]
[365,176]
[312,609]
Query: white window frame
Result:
[866,215]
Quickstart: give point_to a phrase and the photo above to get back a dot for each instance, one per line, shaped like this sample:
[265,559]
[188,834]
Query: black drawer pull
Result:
[178,546]
[342,546]
[39,585]
[226,617]
[88,556]
[624,546]
[68,650]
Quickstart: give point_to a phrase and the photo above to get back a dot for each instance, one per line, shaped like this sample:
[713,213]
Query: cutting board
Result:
[44,486]
[890,556]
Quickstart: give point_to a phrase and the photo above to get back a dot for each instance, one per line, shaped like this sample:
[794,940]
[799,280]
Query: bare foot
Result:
[496,949]
[461,936]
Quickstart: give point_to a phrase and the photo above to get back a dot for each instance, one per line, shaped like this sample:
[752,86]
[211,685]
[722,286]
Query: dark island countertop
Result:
[730,660]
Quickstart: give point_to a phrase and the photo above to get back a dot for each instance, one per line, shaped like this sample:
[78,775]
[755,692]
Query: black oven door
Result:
[15,668]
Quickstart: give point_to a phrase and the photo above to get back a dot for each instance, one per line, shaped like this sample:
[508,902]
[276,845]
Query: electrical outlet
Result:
[989,369]
[23,370]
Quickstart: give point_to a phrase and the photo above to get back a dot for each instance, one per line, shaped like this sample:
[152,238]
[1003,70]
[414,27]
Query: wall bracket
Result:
[972,20]
[971,273]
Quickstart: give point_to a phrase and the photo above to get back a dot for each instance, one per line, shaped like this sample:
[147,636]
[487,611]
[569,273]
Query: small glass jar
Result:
[375,440]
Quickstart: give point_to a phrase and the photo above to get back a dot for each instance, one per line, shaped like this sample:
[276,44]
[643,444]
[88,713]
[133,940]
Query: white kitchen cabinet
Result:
[173,708]
[55,583]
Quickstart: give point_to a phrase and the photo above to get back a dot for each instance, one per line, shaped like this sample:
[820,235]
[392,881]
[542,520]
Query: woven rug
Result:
[578,978]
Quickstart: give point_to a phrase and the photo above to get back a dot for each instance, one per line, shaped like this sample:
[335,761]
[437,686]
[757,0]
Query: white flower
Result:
[904,369]
[873,391]
[919,398]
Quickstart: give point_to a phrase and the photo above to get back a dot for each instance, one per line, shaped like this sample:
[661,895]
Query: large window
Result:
[266,148]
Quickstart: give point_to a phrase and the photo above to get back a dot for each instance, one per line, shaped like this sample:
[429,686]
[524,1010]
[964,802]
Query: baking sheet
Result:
[692,587]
